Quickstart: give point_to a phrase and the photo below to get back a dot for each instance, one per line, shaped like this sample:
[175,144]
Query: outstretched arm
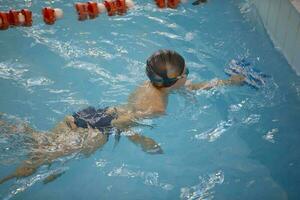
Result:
[233,80]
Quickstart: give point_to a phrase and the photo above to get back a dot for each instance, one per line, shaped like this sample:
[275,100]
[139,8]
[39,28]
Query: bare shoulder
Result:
[147,99]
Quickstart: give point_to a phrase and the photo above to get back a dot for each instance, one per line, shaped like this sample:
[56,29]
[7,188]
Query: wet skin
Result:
[66,138]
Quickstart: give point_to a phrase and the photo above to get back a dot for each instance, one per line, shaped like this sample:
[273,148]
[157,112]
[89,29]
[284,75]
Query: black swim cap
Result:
[163,67]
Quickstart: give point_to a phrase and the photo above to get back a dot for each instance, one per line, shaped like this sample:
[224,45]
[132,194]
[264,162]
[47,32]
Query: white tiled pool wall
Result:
[281,19]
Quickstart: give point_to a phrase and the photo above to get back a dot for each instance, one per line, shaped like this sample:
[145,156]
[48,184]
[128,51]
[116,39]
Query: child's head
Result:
[166,69]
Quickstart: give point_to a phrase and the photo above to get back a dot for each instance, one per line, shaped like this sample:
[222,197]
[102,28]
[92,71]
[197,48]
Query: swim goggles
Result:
[158,79]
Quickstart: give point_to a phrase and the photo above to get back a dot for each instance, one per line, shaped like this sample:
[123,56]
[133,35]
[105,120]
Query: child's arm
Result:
[233,80]
[148,145]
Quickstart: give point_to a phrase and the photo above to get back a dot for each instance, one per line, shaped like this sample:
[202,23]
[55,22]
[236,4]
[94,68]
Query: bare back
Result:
[146,101]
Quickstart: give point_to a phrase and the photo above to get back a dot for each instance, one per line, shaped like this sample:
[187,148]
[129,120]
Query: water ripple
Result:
[148,178]
[203,190]
[68,49]
[163,22]
[252,119]
[12,71]
[214,133]
[92,68]
[17,72]
[269,136]
[25,183]
[70,100]
[168,35]
[39,81]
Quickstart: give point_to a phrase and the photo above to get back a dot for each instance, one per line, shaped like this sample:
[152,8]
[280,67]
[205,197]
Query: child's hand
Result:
[236,79]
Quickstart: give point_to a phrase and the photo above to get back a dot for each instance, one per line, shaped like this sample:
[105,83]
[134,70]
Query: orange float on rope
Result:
[28,17]
[93,10]
[110,7]
[121,7]
[173,3]
[4,21]
[167,3]
[82,11]
[49,15]
[160,3]
[13,18]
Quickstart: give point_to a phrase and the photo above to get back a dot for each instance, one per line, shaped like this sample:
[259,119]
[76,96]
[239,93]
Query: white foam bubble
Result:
[189,36]
[149,178]
[252,119]
[269,136]
[39,81]
[168,35]
[213,134]
[203,190]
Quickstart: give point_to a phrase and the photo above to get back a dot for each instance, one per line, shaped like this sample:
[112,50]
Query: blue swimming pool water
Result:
[226,143]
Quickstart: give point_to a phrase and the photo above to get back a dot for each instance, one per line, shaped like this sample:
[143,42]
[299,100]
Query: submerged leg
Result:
[22,128]
[31,165]
[61,139]
[23,171]
[94,140]
[53,177]
[28,167]
[7,178]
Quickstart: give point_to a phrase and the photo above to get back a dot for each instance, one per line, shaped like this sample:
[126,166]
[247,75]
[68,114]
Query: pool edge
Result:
[281,19]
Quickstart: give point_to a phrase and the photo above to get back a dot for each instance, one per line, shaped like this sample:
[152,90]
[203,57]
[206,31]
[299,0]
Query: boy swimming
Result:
[87,130]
